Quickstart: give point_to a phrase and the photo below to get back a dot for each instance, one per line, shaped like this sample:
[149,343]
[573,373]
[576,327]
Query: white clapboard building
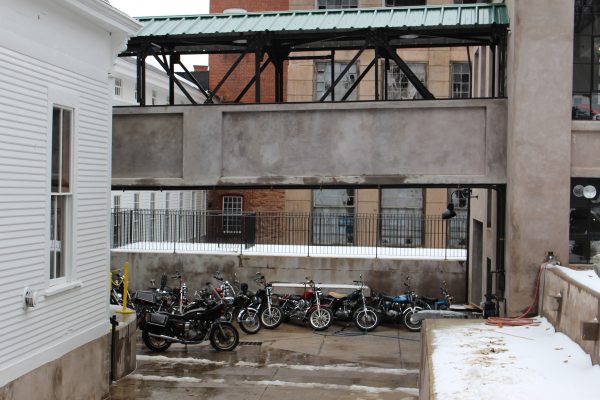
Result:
[57,58]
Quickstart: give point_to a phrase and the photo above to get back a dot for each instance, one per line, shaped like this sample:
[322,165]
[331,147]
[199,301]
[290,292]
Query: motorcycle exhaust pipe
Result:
[173,339]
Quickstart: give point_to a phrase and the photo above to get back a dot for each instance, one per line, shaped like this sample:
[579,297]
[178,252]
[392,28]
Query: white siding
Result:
[52,52]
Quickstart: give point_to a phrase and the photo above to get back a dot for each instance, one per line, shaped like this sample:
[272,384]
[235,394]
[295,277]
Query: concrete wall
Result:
[539,139]
[578,304]
[83,373]
[585,147]
[382,275]
[458,141]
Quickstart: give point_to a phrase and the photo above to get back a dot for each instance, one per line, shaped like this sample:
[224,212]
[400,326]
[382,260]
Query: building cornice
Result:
[105,15]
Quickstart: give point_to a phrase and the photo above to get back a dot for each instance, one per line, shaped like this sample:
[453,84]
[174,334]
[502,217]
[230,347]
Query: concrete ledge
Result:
[125,361]
[567,303]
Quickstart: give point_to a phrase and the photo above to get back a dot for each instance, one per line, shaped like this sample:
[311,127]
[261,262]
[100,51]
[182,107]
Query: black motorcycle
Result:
[238,306]
[353,307]
[161,298]
[271,315]
[400,308]
[199,321]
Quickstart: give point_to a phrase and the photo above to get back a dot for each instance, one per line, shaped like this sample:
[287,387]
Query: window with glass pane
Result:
[116,220]
[232,214]
[457,228]
[586,61]
[118,87]
[404,3]
[60,197]
[333,216]
[398,85]
[401,217]
[461,81]
[337,4]
[584,223]
[323,80]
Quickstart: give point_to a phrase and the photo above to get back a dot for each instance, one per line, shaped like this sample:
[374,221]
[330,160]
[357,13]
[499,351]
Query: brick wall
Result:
[220,64]
[260,200]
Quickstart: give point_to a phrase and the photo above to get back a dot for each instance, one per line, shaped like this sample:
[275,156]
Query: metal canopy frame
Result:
[278,45]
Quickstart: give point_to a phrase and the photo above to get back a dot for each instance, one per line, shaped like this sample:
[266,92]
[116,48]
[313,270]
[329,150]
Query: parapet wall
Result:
[567,304]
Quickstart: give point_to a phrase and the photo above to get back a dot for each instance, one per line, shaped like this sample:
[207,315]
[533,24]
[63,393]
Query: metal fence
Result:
[281,233]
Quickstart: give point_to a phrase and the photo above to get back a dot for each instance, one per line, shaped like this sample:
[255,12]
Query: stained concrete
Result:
[539,141]
[80,374]
[367,143]
[290,362]
[567,304]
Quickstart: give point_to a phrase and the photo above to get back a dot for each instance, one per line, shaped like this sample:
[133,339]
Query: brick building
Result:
[220,63]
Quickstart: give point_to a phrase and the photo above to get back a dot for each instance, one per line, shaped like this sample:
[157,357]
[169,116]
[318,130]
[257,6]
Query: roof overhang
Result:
[310,30]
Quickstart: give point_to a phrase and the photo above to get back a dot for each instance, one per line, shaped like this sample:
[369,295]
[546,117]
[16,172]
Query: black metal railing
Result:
[312,234]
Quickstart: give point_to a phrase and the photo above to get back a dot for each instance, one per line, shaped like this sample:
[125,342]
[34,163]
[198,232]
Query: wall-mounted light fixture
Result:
[462,195]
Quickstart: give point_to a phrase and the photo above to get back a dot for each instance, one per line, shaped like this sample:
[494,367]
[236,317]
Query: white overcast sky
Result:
[146,8]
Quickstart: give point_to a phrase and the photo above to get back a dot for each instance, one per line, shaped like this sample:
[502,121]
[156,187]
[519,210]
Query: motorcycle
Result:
[161,298]
[270,314]
[442,303]
[199,321]
[239,304]
[395,308]
[117,287]
[353,307]
[307,307]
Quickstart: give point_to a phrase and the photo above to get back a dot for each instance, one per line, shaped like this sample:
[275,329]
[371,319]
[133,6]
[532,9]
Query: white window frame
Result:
[65,99]
[118,87]
[395,70]
[452,74]
[232,215]
[346,82]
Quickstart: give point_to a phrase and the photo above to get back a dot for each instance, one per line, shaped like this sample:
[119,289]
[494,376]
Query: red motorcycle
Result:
[307,307]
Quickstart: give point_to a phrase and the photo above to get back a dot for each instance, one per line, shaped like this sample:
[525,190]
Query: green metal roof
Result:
[432,17]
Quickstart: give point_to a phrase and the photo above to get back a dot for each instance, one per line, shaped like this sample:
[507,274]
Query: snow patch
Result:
[475,361]
[176,360]
[586,278]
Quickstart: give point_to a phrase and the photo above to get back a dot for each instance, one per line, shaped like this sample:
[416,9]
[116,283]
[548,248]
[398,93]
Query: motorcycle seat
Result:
[429,299]
[337,295]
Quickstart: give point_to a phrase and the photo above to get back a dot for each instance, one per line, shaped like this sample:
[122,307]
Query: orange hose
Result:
[521,320]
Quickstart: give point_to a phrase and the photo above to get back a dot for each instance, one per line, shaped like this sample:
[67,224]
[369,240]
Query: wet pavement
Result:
[291,362]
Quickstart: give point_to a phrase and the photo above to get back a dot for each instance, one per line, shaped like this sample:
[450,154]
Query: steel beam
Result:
[339,78]
[416,82]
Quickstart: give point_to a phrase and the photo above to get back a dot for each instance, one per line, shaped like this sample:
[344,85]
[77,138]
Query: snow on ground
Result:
[476,361]
[404,253]
[586,278]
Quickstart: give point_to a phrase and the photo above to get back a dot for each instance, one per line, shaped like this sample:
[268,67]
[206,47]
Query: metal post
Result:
[332,73]
[257,70]
[125,310]
[113,344]
[493,48]
[385,78]
[172,60]
[376,73]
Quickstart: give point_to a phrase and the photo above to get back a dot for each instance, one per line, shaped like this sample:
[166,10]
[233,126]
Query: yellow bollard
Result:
[125,310]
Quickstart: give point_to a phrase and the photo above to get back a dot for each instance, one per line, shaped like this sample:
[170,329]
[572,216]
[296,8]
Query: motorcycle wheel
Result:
[320,319]
[250,322]
[366,320]
[227,316]
[411,325]
[154,343]
[224,339]
[272,319]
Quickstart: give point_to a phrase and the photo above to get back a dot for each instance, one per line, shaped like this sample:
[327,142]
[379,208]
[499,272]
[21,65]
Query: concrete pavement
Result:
[290,362]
